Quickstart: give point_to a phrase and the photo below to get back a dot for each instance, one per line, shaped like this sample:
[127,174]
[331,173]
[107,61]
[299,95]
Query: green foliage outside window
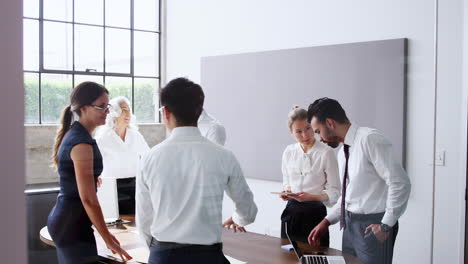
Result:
[55,96]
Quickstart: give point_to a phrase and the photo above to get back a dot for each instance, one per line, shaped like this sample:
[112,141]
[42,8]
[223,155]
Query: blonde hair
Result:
[295,114]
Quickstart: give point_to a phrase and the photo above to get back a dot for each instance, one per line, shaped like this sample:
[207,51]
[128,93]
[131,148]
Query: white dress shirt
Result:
[180,187]
[376,181]
[211,128]
[120,158]
[314,172]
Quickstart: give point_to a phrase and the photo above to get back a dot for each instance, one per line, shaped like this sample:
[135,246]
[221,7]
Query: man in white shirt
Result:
[181,184]
[211,128]
[375,188]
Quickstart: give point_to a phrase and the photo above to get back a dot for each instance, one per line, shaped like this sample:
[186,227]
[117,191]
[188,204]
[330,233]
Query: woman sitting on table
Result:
[79,163]
[310,179]
[121,146]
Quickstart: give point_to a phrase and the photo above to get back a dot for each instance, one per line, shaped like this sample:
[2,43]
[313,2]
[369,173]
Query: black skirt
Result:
[302,218]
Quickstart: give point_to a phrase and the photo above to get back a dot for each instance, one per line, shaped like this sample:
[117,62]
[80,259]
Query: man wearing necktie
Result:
[375,188]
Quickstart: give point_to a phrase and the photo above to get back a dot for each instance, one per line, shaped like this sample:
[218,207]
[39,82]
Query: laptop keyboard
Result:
[314,260]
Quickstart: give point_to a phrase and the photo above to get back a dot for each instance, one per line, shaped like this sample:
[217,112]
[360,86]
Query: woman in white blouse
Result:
[310,173]
[121,147]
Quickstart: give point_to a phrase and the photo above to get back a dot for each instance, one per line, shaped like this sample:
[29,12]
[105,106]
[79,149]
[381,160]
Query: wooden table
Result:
[249,247]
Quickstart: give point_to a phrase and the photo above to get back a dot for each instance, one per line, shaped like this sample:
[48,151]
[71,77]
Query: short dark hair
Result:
[324,108]
[184,99]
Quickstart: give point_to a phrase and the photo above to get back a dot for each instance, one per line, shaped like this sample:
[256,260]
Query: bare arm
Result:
[82,156]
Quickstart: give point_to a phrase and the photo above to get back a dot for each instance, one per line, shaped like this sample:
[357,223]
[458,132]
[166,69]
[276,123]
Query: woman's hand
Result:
[305,197]
[230,224]
[113,244]
[285,197]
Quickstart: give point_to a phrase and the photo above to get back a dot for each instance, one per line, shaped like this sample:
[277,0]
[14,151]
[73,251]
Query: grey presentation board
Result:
[252,93]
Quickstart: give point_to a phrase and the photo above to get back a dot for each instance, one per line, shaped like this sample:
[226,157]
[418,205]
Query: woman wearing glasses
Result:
[310,179]
[78,161]
[121,147]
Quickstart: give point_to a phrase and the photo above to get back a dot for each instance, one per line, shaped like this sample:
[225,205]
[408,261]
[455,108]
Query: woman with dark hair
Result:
[79,163]
[310,179]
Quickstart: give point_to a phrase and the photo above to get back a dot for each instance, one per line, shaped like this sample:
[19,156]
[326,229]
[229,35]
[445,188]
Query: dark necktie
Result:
[343,188]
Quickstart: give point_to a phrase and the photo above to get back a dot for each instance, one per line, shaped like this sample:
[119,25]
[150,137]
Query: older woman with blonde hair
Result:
[310,179]
[122,146]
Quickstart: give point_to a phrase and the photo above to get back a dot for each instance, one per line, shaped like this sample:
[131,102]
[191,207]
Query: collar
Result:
[185,131]
[351,135]
[203,115]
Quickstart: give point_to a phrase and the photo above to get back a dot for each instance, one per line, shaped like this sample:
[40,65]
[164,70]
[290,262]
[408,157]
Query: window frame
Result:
[42,70]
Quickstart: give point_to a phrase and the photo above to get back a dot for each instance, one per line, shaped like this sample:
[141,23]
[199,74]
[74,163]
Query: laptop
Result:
[108,200]
[312,259]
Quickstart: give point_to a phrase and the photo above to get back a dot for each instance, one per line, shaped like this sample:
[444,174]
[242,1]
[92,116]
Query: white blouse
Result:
[120,158]
[313,172]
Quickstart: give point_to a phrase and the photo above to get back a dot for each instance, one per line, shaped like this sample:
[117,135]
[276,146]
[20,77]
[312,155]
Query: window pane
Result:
[58,10]
[31,98]
[117,50]
[119,86]
[31,45]
[146,50]
[91,78]
[55,92]
[118,13]
[146,99]
[146,14]
[89,12]
[57,46]
[31,8]
[89,54]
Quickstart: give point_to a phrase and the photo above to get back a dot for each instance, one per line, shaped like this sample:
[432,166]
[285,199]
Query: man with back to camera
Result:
[375,188]
[181,183]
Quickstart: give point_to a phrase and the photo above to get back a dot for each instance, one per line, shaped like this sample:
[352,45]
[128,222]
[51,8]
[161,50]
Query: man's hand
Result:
[230,224]
[378,233]
[317,233]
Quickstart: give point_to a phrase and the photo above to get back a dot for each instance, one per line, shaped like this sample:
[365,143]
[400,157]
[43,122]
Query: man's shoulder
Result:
[370,135]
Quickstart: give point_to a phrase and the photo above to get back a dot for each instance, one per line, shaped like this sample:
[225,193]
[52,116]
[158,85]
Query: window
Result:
[112,42]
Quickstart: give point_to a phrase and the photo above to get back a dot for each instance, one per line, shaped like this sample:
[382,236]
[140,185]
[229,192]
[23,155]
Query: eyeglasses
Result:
[102,109]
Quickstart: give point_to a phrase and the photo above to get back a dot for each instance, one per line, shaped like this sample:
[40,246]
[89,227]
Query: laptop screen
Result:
[296,247]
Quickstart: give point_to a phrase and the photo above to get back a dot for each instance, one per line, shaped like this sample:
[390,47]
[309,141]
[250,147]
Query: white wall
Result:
[12,206]
[450,180]
[209,27]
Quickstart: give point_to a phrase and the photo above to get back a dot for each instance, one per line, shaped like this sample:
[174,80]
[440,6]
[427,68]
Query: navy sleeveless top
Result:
[76,135]
[68,222]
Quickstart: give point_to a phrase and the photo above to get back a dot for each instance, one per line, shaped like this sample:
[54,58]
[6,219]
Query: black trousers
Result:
[366,247]
[302,218]
[126,194]
[173,253]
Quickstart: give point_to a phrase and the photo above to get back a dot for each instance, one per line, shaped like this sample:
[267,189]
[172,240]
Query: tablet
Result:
[285,193]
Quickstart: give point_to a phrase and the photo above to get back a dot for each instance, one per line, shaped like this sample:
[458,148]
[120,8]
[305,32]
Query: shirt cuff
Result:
[332,198]
[332,219]
[239,221]
[389,219]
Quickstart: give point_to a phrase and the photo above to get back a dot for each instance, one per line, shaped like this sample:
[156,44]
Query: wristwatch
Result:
[385,228]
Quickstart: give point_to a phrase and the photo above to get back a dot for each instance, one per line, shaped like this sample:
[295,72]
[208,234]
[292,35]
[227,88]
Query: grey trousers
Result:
[366,247]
